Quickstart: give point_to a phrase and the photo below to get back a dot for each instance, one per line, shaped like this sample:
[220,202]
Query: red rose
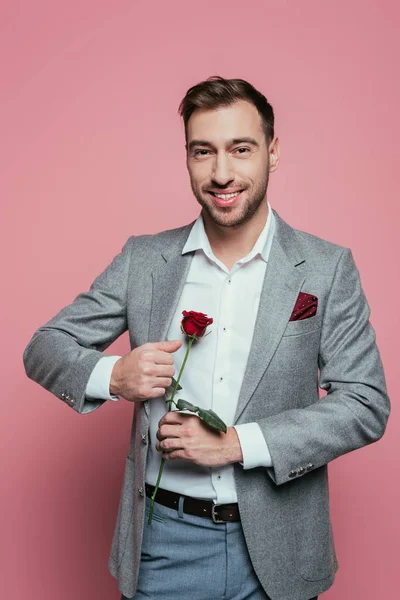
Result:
[195,323]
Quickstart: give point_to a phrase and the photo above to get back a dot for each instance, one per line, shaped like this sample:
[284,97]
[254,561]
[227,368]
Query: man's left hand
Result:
[183,435]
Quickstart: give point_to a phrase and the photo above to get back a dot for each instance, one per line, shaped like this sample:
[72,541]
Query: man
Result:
[243,514]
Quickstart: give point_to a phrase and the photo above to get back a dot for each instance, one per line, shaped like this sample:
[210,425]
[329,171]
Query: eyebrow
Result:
[232,142]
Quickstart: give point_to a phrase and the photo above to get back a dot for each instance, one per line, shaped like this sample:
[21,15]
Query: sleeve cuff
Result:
[254,447]
[98,386]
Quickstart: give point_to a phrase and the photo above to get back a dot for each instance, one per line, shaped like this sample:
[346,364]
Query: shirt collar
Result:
[198,240]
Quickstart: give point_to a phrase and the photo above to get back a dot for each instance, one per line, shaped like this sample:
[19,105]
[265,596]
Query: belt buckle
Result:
[214,515]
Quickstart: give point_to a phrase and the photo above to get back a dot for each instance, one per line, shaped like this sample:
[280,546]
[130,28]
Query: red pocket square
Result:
[305,307]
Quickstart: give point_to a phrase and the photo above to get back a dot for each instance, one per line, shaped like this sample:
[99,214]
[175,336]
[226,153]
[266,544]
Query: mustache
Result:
[214,186]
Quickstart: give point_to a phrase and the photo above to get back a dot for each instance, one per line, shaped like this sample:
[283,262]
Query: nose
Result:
[222,173]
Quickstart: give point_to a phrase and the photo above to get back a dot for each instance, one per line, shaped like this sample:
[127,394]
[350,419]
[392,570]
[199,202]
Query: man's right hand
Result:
[145,372]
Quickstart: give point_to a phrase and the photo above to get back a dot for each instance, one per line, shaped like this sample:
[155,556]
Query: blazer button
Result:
[292,473]
[309,467]
[141,491]
[301,470]
[143,438]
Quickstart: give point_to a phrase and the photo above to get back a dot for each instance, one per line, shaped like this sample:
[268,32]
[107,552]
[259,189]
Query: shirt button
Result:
[141,491]
[224,328]
[143,438]
[218,476]
[221,378]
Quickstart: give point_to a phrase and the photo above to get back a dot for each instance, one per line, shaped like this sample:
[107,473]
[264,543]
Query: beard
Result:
[233,216]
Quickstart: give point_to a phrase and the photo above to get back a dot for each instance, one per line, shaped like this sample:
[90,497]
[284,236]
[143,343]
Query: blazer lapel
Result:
[168,281]
[284,277]
[168,278]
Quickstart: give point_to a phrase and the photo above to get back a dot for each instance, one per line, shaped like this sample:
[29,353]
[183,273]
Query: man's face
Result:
[229,162]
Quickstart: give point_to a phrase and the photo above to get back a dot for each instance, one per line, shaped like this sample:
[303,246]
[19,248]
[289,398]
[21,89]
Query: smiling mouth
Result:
[225,199]
[226,196]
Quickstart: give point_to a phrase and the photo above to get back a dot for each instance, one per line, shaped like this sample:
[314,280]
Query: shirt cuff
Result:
[98,386]
[254,447]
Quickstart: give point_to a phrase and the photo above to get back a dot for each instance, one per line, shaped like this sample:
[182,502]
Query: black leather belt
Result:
[219,513]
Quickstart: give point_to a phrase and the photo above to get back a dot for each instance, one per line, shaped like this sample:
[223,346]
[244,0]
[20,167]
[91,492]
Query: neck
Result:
[230,244]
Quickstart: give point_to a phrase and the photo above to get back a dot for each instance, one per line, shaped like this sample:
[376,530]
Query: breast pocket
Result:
[298,349]
[303,326]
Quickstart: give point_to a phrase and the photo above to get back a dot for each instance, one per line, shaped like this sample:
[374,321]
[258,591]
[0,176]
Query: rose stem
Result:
[170,401]
[191,340]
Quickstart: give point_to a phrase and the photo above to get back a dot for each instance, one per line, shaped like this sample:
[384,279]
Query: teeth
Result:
[226,196]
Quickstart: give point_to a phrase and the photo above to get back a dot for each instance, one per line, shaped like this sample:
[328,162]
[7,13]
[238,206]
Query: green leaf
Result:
[173,384]
[211,419]
[185,405]
[208,416]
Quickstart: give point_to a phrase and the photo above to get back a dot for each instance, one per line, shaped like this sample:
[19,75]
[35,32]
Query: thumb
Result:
[168,346]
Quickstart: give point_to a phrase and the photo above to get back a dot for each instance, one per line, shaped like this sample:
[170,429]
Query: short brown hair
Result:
[216,91]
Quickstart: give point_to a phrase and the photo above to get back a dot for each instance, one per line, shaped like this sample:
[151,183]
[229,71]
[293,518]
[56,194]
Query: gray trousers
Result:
[191,558]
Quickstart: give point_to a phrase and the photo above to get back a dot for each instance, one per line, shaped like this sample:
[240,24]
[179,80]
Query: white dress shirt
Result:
[215,368]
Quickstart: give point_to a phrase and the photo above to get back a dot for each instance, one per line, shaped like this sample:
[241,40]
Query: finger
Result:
[149,369]
[168,346]
[169,445]
[173,455]
[168,431]
[172,417]
[163,370]
[156,392]
[164,382]
[156,357]
[161,358]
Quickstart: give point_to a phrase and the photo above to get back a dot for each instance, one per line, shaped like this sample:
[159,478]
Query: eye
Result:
[201,152]
[242,150]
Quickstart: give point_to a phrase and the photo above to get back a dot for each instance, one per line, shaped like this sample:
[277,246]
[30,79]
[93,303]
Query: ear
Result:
[274,149]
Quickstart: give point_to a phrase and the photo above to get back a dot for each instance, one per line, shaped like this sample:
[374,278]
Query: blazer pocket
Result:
[303,326]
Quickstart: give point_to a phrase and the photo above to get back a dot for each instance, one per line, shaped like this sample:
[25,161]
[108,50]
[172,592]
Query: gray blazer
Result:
[284,509]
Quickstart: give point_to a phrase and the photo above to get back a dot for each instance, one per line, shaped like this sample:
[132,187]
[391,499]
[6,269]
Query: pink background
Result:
[92,151]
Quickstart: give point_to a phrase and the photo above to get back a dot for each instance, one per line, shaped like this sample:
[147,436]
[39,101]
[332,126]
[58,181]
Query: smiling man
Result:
[229,175]
[233,173]
[242,515]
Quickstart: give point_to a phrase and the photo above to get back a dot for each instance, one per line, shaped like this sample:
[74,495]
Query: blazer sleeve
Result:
[62,353]
[355,410]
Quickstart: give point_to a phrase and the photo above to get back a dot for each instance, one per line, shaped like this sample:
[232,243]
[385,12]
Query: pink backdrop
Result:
[92,151]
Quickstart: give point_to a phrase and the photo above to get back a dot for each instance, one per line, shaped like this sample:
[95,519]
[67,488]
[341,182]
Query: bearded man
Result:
[242,514]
